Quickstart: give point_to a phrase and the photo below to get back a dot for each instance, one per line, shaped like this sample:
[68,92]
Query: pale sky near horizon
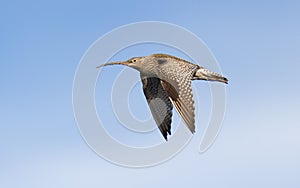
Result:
[256,44]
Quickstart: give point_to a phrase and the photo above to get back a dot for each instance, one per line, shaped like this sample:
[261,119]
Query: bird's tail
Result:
[205,74]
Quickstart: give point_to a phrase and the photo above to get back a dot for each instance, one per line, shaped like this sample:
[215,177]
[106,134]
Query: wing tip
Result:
[166,137]
[165,131]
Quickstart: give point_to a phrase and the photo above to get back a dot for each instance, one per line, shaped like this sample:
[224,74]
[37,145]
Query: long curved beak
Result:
[114,63]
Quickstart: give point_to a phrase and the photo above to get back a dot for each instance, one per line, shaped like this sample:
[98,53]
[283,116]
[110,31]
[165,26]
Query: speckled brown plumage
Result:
[167,80]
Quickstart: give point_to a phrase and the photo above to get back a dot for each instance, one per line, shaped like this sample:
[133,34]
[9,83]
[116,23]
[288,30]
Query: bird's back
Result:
[171,66]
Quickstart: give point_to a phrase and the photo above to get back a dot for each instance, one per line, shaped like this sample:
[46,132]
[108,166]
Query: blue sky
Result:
[256,43]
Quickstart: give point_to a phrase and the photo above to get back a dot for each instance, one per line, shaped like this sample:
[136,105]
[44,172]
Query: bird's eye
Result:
[134,60]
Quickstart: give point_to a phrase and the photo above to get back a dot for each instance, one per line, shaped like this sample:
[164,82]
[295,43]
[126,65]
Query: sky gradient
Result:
[256,44]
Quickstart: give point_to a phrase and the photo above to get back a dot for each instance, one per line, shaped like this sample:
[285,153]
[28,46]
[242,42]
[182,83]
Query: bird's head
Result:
[135,62]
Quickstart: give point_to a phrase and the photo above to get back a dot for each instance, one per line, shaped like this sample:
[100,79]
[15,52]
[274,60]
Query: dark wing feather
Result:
[159,103]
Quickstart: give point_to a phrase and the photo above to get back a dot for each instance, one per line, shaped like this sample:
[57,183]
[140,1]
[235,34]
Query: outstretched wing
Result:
[176,80]
[159,103]
[182,98]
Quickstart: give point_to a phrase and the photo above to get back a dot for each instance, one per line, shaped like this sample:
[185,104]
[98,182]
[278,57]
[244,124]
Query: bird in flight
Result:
[166,82]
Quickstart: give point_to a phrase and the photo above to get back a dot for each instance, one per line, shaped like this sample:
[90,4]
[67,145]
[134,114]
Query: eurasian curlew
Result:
[166,82]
